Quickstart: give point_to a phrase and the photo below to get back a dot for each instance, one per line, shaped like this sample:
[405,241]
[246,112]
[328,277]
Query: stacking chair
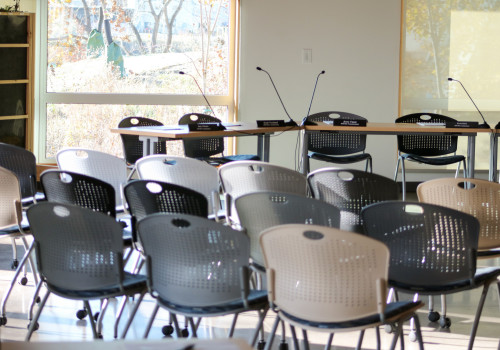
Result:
[339,148]
[432,250]
[187,172]
[103,166]
[13,226]
[80,256]
[205,149]
[198,268]
[350,191]
[133,147]
[243,177]
[23,164]
[427,149]
[328,280]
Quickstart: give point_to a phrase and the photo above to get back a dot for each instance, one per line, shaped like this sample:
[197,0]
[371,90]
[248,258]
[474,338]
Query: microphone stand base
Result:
[291,123]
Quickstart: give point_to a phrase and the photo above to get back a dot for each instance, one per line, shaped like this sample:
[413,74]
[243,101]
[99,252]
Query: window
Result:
[457,39]
[105,60]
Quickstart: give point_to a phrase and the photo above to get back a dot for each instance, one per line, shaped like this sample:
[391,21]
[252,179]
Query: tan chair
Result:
[325,279]
[480,198]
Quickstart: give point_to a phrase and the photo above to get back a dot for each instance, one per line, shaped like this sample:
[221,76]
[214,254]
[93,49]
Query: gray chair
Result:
[198,268]
[329,280]
[433,250]
[80,256]
[350,191]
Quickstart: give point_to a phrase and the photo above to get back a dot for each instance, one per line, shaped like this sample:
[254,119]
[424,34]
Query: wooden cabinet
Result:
[17,68]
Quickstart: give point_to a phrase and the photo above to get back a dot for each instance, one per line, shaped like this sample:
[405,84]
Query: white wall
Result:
[356,42]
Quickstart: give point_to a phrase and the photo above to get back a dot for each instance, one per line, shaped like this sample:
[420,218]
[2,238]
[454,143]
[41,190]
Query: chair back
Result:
[146,197]
[426,145]
[193,261]
[242,177]
[22,163]
[350,191]
[431,246]
[335,143]
[103,166]
[10,199]
[479,198]
[187,172]
[261,210]
[79,189]
[201,148]
[132,146]
[76,248]
[323,274]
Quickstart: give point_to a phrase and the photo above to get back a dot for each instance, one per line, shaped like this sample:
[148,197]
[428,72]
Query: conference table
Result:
[402,129]
[151,134]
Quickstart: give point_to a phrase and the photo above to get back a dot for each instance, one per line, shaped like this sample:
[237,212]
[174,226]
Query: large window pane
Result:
[138,46]
[457,39]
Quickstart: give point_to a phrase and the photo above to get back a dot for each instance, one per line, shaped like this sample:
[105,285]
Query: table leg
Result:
[471,153]
[148,144]
[305,143]
[492,175]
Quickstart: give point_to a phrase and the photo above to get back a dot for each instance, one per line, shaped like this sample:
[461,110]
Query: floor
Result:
[59,323]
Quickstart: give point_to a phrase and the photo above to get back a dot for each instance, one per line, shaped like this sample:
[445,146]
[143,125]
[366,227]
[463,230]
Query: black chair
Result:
[339,148]
[433,250]
[205,149]
[350,191]
[427,149]
[198,268]
[80,256]
[132,146]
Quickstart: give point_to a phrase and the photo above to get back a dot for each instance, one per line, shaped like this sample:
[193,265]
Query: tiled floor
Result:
[58,321]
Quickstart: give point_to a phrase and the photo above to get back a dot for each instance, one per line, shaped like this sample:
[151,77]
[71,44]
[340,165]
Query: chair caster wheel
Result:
[99,336]
[413,336]
[38,300]
[24,281]
[261,345]
[283,346]
[185,333]
[96,316]
[433,316]
[445,322]
[3,321]
[36,326]
[167,330]
[389,328]
[81,314]
[14,264]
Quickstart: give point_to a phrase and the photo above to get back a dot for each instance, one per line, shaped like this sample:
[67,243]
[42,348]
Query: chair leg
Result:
[369,165]
[33,323]
[131,317]
[151,320]
[397,169]
[360,339]
[270,338]
[34,300]
[90,315]
[328,344]
[418,331]
[403,179]
[306,340]
[478,315]
[399,331]
[260,325]
[294,338]
[15,262]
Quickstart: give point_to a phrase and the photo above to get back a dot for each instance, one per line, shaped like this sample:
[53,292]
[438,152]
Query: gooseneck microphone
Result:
[305,121]
[291,122]
[202,93]
[485,125]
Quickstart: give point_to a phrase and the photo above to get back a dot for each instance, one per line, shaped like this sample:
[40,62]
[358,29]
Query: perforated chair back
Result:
[426,145]
[187,172]
[79,189]
[480,198]
[336,143]
[350,191]
[431,246]
[239,178]
[146,197]
[193,261]
[132,146]
[262,210]
[10,200]
[22,163]
[323,274]
[77,249]
[103,166]
[201,148]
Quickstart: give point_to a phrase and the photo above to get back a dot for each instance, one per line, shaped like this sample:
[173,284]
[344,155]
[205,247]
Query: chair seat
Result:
[353,158]
[482,276]
[132,284]
[257,299]
[392,310]
[434,160]
[227,159]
